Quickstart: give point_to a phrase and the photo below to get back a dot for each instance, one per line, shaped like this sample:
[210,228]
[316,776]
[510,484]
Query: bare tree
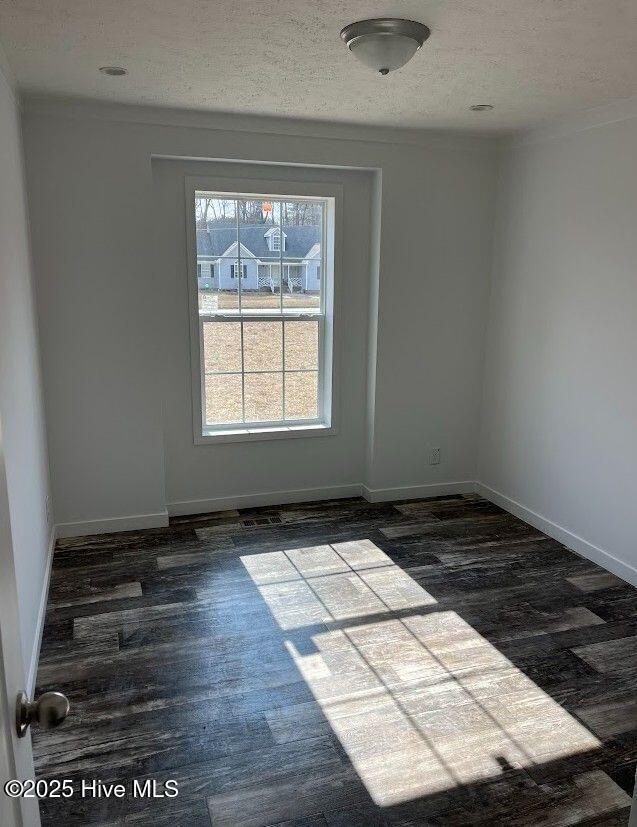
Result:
[211,210]
[301,214]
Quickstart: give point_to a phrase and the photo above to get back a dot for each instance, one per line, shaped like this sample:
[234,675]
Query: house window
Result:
[273,236]
[318,273]
[212,271]
[198,270]
[262,349]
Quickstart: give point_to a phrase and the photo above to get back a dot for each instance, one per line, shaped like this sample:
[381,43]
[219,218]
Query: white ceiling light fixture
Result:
[385,43]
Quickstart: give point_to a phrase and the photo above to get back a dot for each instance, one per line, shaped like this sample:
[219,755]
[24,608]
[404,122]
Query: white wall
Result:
[559,427]
[103,320]
[318,462]
[90,200]
[21,411]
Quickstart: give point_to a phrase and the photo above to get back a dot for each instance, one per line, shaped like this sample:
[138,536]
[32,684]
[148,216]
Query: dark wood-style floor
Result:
[425,663]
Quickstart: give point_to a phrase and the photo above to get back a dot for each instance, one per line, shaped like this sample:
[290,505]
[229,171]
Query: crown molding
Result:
[84,108]
[622,109]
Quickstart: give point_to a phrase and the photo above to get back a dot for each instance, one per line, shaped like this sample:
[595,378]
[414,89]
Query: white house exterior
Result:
[259,258]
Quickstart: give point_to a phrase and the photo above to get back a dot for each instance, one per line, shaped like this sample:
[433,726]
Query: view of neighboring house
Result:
[263,246]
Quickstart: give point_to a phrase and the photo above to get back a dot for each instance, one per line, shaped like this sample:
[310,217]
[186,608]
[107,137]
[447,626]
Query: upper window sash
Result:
[287,272]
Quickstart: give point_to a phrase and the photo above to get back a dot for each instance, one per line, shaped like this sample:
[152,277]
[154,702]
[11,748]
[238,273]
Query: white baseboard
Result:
[133,522]
[414,492]
[563,535]
[332,492]
[39,628]
[301,495]
[158,520]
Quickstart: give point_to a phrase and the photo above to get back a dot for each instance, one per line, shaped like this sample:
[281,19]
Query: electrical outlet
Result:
[434,456]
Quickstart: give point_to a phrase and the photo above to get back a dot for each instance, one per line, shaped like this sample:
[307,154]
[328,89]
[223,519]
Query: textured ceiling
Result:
[532,59]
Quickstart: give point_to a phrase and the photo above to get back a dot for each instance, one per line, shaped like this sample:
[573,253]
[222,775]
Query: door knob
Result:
[48,711]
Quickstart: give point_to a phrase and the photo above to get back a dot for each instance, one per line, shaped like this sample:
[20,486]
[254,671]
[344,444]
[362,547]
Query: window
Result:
[318,273]
[262,342]
[198,270]
[233,271]
[273,236]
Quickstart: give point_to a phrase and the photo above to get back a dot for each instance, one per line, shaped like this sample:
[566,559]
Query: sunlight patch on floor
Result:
[420,701]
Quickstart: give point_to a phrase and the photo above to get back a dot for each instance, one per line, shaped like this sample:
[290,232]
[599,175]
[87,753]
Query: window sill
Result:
[262,434]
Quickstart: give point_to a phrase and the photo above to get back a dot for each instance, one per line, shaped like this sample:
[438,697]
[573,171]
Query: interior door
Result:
[16,759]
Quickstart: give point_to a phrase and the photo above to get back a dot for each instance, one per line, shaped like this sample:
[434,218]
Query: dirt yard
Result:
[266,367]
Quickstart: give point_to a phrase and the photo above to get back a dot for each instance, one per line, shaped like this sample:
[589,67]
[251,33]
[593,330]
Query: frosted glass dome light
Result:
[386,43]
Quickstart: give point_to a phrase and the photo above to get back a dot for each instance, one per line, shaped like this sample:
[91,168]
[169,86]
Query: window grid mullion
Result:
[250,372]
[243,381]
[236,207]
[243,393]
[260,317]
[283,369]
[281,207]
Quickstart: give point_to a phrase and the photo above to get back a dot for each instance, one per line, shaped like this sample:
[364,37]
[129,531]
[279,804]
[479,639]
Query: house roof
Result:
[214,241]
[314,252]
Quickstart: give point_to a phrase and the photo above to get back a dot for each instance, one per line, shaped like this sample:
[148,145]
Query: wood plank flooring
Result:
[341,663]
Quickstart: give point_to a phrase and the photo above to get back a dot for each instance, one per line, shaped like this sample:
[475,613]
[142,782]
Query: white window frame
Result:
[325,424]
